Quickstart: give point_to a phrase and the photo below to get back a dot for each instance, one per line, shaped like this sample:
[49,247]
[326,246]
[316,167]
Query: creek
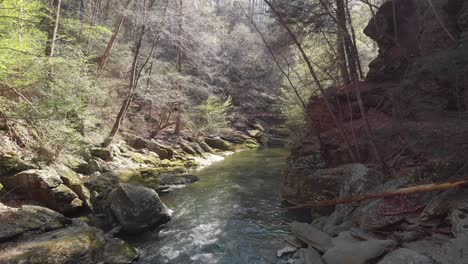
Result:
[234,214]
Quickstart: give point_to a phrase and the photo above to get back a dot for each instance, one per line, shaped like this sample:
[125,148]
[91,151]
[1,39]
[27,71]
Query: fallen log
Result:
[403,191]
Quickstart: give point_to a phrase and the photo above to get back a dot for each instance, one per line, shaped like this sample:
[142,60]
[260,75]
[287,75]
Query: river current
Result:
[232,215]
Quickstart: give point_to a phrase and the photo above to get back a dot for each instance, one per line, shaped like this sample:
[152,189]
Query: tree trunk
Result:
[342,59]
[354,41]
[131,93]
[398,192]
[180,59]
[110,45]
[50,48]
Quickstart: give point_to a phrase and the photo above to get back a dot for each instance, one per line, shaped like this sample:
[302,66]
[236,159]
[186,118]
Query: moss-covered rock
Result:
[28,218]
[76,244]
[198,149]
[44,186]
[71,179]
[106,154]
[219,143]
[187,148]
[77,164]
[149,158]
[251,143]
[164,152]
[206,148]
[11,163]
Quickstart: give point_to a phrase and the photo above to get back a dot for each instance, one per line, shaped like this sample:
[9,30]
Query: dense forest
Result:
[109,107]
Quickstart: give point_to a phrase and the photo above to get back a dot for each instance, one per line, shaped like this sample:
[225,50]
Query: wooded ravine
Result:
[114,111]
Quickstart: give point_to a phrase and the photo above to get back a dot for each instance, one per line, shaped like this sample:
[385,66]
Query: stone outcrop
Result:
[75,244]
[16,221]
[11,163]
[44,186]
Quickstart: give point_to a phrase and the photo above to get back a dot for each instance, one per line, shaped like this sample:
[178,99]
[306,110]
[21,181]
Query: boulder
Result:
[75,244]
[164,152]
[459,219]
[197,148]
[219,143]
[106,154]
[72,181]
[44,186]
[277,142]
[255,133]
[312,236]
[16,221]
[78,164]
[11,163]
[405,256]
[251,143]
[454,251]
[356,252]
[235,137]
[187,148]
[281,131]
[206,148]
[137,208]
[309,255]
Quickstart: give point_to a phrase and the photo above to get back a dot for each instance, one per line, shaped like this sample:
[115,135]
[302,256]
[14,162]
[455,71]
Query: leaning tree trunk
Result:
[131,94]
[110,45]
[50,48]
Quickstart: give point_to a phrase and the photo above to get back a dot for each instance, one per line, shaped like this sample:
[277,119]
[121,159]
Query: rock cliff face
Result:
[415,98]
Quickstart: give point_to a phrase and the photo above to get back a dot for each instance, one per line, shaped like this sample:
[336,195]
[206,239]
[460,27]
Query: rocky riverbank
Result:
[415,136]
[71,212]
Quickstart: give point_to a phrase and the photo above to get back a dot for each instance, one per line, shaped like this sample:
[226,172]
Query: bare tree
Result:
[50,48]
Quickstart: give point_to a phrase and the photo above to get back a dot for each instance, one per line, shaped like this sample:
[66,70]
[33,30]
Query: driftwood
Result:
[403,191]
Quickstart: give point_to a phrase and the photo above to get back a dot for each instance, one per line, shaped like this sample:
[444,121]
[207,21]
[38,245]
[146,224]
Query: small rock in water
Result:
[288,249]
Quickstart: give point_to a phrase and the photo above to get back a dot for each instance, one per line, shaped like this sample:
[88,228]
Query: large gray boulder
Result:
[312,236]
[405,256]
[75,244]
[16,221]
[137,208]
[308,256]
[44,186]
[356,252]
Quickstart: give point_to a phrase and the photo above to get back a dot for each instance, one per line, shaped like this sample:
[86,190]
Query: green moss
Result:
[150,158]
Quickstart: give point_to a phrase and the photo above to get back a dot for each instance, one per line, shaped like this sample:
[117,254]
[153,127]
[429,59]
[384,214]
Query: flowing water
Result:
[232,215]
